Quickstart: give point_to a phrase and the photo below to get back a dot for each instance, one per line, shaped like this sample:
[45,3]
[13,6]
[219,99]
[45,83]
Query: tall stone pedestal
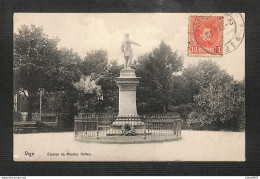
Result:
[127,115]
[127,83]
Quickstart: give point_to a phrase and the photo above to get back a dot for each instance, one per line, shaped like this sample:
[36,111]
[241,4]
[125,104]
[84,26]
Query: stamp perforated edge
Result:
[204,55]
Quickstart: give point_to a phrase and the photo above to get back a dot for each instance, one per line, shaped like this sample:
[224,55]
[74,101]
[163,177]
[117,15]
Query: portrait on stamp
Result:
[206,36]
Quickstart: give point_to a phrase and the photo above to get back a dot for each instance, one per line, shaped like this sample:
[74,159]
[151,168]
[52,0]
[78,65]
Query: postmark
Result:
[205,36]
[234,31]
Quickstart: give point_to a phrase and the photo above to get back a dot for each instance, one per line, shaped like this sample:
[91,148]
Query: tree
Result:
[185,86]
[88,91]
[196,77]
[96,66]
[156,69]
[95,62]
[109,87]
[35,62]
[38,63]
[220,98]
[69,68]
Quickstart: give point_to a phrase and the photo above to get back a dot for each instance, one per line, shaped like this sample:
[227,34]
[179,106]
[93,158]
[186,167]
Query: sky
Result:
[84,32]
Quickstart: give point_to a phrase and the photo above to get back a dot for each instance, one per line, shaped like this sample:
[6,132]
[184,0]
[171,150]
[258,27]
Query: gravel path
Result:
[194,146]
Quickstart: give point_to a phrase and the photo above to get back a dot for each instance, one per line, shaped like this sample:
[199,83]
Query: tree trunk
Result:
[30,110]
[31,99]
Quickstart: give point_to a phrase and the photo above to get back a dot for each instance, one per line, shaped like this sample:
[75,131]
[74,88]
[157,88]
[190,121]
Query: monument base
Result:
[128,122]
[128,126]
[127,83]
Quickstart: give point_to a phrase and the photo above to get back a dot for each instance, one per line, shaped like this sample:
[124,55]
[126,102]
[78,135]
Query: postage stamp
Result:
[205,36]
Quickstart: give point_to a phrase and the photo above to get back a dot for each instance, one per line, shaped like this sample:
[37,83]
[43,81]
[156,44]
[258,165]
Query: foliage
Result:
[38,63]
[88,93]
[63,103]
[196,77]
[156,69]
[109,87]
[95,62]
[69,69]
[185,86]
[35,62]
[96,65]
[184,110]
[220,99]
[203,94]
[87,86]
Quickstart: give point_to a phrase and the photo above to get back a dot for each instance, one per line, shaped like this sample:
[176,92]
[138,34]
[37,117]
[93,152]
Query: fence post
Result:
[98,126]
[180,127]
[147,120]
[145,123]
[75,127]
[177,129]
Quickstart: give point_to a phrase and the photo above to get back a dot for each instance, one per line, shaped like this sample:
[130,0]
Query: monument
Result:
[127,83]
[115,128]
[127,50]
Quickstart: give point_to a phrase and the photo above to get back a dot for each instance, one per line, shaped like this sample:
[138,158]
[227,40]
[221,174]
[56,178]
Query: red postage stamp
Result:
[205,36]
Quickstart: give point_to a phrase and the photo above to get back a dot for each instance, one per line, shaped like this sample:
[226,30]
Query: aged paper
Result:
[195,37]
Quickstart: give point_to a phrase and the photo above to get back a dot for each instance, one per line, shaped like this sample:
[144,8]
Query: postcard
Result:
[129,87]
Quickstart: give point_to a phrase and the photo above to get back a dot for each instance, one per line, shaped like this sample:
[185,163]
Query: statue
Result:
[127,50]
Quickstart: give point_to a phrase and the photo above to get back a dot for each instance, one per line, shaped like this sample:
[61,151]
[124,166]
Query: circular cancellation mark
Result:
[234,31]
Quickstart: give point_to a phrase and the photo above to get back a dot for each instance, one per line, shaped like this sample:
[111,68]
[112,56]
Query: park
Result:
[150,108]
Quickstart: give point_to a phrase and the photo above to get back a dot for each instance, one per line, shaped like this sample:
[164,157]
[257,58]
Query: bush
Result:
[198,121]
[183,110]
[234,124]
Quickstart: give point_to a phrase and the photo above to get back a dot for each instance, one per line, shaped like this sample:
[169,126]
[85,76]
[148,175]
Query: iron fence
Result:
[100,126]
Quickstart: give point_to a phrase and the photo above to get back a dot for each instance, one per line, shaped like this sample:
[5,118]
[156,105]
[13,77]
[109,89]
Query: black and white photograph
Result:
[129,87]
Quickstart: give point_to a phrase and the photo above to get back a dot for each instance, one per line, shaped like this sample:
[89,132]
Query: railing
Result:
[100,126]
[47,119]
